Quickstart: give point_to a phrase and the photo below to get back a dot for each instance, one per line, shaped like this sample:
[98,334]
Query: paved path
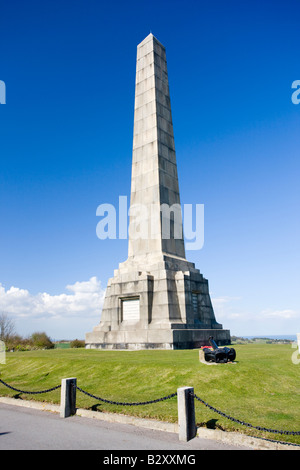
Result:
[23,428]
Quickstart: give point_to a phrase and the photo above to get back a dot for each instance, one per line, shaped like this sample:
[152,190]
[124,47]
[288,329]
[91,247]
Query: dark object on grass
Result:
[220,355]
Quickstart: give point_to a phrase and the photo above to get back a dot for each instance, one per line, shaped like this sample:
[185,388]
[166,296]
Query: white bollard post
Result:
[186,414]
[68,397]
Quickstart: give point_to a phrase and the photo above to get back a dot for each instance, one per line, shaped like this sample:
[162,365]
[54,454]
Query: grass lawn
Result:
[262,388]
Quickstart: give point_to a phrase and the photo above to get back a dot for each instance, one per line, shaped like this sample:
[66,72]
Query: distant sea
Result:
[288,337]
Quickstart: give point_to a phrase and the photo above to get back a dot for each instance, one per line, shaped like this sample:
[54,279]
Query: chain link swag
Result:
[259,428]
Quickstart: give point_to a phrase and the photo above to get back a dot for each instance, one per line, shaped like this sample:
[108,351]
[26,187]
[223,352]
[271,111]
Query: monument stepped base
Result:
[174,309]
[157,339]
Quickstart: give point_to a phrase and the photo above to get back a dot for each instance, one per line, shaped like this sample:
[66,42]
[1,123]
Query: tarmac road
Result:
[30,429]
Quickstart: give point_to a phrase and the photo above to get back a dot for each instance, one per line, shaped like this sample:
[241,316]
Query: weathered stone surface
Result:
[186,414]
[175,309]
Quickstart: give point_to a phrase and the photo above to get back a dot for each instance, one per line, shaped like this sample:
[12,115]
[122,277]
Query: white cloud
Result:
[86,299]
[75,311]
[285,313]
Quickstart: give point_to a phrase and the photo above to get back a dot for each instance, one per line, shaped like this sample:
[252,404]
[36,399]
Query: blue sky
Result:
[66,147]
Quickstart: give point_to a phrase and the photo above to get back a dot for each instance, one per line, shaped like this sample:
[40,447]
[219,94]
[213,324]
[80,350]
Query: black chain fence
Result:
[167,397]
[259,428]
[126,403]
[30,393]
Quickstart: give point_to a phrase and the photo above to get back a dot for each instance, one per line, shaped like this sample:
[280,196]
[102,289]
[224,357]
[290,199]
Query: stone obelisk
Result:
[156,299]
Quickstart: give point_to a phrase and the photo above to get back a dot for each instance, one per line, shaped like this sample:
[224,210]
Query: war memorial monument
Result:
[157,299]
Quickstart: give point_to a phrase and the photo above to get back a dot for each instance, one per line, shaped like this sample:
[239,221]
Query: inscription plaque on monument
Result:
[130,310]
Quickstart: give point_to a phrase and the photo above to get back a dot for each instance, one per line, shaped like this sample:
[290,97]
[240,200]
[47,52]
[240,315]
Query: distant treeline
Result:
[243,340]
[37,340]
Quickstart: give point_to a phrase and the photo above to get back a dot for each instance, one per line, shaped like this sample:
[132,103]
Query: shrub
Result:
[77,343]
[14,342]
[40,340]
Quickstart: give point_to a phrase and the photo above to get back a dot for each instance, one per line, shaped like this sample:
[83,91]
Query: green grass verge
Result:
[262,388]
